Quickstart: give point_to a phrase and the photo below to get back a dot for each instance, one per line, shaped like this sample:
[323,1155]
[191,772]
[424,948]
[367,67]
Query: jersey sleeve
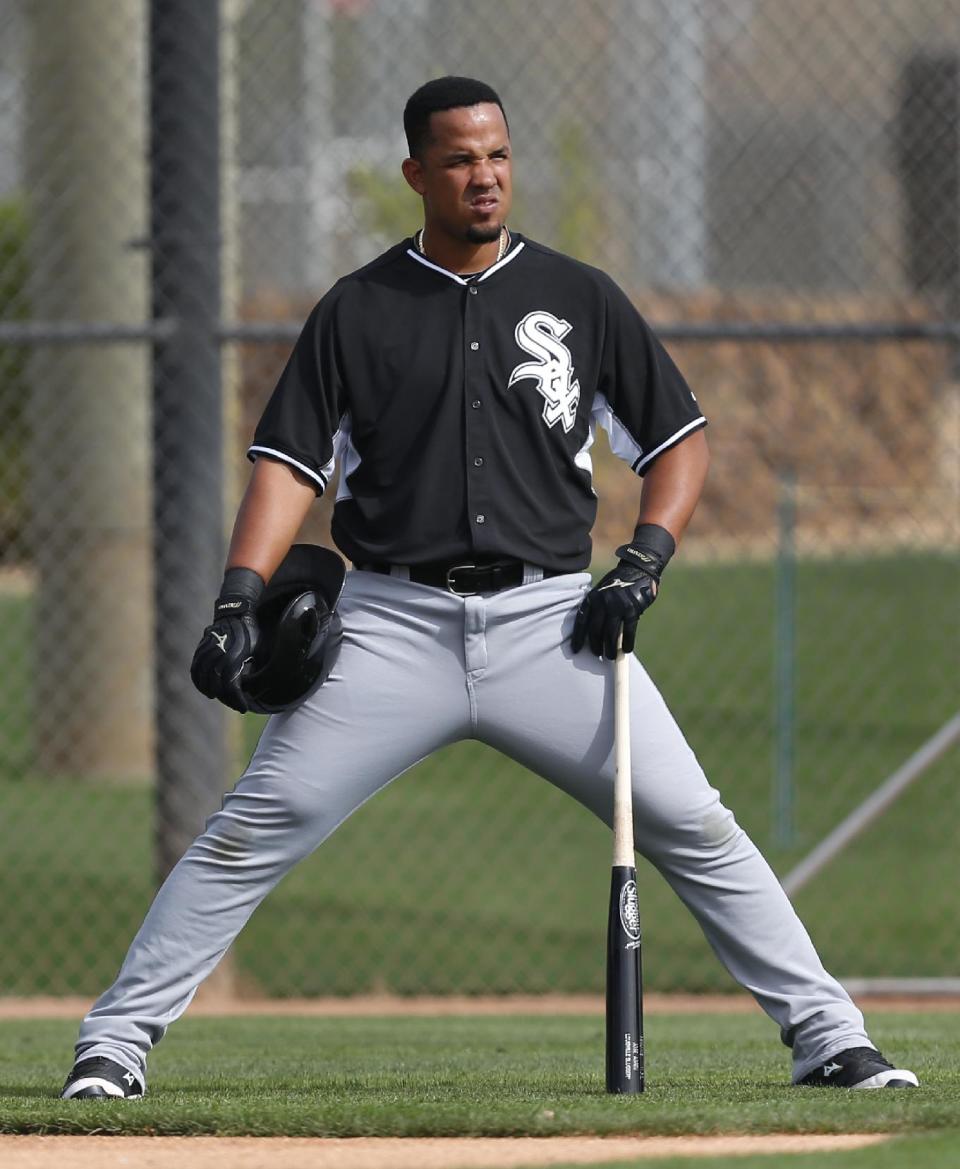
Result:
[643,402]
[300,422]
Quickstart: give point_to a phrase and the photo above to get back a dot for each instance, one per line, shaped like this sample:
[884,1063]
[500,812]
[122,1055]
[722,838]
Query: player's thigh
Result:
[552,710]
[395,694]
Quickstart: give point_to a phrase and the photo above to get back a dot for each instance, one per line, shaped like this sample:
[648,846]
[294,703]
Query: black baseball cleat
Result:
[859,1067]
[101,1079]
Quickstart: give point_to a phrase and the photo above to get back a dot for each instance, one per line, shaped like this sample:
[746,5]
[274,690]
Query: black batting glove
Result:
[613,607]
[225,652]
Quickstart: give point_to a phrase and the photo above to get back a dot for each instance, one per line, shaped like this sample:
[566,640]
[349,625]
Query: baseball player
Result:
[457,381]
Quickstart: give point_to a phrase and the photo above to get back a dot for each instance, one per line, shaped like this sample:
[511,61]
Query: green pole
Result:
[786,574]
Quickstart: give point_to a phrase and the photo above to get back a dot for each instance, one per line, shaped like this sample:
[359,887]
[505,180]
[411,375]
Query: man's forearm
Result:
[672,486]
[274,506]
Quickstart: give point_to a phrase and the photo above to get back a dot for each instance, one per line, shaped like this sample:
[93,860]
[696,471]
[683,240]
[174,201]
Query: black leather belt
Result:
[465,578]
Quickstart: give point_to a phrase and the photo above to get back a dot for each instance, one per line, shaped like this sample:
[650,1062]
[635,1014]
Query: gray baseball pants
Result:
[420,668]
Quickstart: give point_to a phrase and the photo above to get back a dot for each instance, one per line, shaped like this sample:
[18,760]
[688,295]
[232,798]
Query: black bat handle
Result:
[625,1057]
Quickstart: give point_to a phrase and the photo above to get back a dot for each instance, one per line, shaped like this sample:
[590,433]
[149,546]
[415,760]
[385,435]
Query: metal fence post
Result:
[786,617]
[187,425]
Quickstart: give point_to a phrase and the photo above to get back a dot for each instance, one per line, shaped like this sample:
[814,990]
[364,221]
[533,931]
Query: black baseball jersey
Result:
[461,410]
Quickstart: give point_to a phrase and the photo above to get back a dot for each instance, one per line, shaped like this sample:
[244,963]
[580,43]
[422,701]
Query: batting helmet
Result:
[299,629]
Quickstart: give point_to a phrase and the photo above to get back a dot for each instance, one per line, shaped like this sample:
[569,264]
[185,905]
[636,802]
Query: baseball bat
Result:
[625,1054]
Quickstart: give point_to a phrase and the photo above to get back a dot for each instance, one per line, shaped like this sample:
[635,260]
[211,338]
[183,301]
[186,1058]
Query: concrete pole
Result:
[85,163]
[193,764]
[685,114]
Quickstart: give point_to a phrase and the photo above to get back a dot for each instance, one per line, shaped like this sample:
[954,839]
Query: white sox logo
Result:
[541,335]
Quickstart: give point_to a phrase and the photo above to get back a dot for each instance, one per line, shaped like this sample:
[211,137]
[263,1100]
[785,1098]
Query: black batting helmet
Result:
[299,629]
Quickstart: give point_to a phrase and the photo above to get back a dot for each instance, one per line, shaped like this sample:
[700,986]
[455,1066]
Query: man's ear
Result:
[413,173]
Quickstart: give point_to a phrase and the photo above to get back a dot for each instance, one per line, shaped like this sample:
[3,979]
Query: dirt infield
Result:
[97,1152]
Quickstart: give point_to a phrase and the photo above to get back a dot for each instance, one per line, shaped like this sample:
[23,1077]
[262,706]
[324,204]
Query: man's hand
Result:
[613,607]
[225,652]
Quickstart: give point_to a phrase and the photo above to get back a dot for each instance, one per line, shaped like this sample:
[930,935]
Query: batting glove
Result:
[613,607]
[225,652]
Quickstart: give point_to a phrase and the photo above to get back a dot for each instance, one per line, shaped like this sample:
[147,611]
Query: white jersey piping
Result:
[511,255]
[317,476]
[436,267]
[697,422]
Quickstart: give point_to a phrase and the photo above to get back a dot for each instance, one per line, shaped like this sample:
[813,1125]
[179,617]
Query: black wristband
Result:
[650,549]
[239,593]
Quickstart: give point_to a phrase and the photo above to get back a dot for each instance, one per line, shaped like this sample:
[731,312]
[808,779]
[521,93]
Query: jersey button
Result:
[473,290]
[481,519]
[474,345]
[475,403]
[478,461]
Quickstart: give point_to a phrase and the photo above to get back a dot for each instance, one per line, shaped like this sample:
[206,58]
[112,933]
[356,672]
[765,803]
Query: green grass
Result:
[470,874]
[473,1076]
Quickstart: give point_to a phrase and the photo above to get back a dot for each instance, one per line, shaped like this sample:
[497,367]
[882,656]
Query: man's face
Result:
[464,173]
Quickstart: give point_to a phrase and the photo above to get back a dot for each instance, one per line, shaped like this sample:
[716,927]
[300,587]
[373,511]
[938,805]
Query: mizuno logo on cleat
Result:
[130,1078]
[830,1068]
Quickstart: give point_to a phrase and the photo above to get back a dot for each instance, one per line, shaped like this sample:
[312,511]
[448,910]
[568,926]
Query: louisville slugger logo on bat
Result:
[630,914]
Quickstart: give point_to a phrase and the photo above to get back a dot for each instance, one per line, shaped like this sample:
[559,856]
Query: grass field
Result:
[473,1076]
[471,874]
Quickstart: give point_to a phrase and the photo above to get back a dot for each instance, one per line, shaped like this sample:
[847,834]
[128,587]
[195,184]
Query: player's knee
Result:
[245,827]
[719,827]
[226,840]
[714,830]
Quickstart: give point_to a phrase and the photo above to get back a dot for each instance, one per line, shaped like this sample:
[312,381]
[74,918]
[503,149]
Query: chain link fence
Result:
[777,185]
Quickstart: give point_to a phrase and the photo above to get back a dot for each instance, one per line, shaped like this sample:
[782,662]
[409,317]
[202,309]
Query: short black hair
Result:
[443,93]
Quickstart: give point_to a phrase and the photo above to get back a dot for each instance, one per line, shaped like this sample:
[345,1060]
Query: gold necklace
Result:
[504,243]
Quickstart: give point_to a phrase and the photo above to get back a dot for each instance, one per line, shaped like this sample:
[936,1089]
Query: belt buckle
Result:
[450,588]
